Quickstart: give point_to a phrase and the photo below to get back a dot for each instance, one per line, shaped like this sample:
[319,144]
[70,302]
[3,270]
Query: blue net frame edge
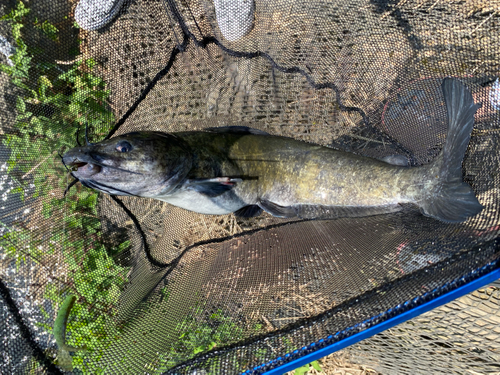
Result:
[316,350]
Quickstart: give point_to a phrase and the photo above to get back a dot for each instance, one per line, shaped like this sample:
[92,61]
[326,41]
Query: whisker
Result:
[71,173]
[70,185]
[62,159]
[87,135]
[77,133]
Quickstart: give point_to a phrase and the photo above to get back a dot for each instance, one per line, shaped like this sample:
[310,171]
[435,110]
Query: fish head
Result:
[144,164]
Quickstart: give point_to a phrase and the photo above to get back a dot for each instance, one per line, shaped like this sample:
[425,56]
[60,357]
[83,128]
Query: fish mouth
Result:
[87,166]
[84,169]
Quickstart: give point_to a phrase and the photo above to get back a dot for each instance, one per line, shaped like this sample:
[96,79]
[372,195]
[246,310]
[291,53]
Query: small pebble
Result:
[7,49]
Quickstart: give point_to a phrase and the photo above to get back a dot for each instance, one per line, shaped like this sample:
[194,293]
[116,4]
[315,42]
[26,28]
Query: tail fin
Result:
[453,200]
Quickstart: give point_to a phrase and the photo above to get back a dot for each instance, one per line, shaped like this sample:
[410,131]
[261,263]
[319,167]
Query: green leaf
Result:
[90,63]
[20,83]
[16,14]
[302,370]
[50,30]
[316,366]
[44,81]
[199,349]
[7,69]
[20,105]
[16,31]
[123,246]
[36,124]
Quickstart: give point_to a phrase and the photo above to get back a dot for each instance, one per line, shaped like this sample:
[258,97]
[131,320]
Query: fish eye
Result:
[123,146]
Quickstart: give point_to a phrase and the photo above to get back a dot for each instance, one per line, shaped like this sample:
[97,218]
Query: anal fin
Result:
[311,211]
[249,211]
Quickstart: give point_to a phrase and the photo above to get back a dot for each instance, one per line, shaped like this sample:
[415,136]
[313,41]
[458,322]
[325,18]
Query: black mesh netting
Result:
[160,289]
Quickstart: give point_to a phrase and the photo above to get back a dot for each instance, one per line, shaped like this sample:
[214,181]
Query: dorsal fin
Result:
[236,130]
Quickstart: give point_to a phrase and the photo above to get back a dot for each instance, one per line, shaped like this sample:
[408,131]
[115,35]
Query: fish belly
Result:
[194,201]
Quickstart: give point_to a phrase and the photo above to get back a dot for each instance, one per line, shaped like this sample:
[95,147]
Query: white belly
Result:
[194,201]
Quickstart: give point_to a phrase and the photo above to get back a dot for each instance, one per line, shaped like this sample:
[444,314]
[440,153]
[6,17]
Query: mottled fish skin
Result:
[226,170]
[286,171]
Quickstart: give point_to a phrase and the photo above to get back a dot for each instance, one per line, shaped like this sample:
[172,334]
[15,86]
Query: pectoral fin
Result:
[212,187]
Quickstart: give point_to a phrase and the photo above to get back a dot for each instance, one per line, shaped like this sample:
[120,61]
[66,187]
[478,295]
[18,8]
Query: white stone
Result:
[7,49]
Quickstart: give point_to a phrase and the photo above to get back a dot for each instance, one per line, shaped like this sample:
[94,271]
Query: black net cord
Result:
[25,331]
[384,316]
[147,250]
[162,73]
[205,41]
[181,47]
[349,331]
[196,245]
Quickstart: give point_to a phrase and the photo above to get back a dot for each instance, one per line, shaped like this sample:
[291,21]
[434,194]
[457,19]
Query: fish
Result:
[245,171]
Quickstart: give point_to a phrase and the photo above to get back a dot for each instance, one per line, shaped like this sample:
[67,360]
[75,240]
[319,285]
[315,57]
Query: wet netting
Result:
[96,283]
